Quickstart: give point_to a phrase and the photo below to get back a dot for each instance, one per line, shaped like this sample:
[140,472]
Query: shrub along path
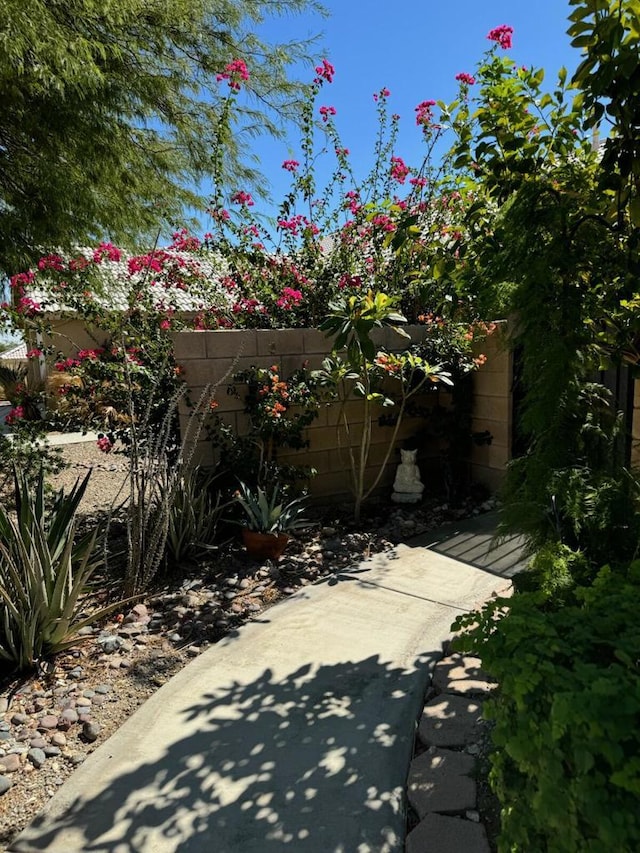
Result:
[295,732]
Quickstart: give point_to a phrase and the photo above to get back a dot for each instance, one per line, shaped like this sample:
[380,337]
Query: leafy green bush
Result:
[43,573]
[554,570]
[566,763]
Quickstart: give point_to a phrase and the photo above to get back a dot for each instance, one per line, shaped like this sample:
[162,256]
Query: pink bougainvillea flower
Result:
[325,112]
[105,250]
[28,307]
[289,298]
[235,73]
[34,353]
[465,78]
[291,225]
[184,242]
[502,35]
[51,262]
[348,280]
[91,354]
[22,279]
[399,169]
[242,197]
[342,152]
[220,215]
[16,414]
[105,444]
[81,263]
[384,222]
[383,93]
[290,165]
[419,181]
[324,72]
[153,261]
[424,113]
[352,201]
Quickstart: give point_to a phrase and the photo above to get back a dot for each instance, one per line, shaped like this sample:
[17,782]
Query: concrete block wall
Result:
[493,410]
[210,358]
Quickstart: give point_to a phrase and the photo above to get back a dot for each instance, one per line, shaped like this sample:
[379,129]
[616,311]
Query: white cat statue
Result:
[407,486]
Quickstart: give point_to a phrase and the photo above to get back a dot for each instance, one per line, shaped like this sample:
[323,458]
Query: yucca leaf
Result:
[43,573]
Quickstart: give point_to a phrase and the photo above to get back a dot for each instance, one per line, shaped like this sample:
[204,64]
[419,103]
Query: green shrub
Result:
[43,573]
[566,763]
[554,570]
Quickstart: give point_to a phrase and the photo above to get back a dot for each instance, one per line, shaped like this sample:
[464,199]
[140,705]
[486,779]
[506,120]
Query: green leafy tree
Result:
[546,248]
[110,111]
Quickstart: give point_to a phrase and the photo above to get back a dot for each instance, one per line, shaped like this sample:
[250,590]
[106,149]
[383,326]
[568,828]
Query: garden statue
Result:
[407,486]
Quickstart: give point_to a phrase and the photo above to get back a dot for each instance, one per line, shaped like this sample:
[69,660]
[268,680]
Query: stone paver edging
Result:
[441,787]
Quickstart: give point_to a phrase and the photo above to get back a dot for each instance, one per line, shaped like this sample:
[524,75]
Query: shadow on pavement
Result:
[247,773]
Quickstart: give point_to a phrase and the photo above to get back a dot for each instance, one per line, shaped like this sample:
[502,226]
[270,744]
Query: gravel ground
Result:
[107,485]
[51,721]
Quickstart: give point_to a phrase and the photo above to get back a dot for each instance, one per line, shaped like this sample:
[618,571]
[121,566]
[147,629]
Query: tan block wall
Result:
[211,358]
[493,410]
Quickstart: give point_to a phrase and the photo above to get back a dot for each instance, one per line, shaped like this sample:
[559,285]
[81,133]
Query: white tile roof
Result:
[113,288]
[16,353]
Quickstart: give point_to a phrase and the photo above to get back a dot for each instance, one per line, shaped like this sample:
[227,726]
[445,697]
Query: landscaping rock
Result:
[441,834]
[37,757]
[90,731]
[5,784]
[463,675]
[109,643]
[68,717]
[450,720]
[439,781]
[10,763]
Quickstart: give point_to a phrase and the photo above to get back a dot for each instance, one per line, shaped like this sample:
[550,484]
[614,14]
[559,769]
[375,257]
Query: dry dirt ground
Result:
[50,721]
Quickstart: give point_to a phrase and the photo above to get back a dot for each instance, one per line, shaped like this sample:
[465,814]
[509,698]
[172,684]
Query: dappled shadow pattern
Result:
[314,762]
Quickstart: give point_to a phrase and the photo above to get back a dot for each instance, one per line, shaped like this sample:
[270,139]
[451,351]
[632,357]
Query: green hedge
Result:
[566,764]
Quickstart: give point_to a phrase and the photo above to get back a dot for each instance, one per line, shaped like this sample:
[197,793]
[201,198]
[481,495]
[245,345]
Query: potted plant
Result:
[269,520]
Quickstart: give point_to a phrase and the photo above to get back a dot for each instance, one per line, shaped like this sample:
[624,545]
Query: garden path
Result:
[295,732]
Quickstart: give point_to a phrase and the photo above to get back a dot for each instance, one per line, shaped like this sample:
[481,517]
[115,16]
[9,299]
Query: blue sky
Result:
[414,48]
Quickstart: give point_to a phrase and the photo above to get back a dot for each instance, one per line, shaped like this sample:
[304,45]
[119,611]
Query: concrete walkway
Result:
[295,733]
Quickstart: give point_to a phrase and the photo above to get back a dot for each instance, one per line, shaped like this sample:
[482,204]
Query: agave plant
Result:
[43,573]
[193,517]
[265,513]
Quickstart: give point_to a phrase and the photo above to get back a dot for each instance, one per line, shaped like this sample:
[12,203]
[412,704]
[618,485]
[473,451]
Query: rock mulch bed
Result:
[451,737]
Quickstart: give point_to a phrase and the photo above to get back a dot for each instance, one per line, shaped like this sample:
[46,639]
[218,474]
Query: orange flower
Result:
[213,404]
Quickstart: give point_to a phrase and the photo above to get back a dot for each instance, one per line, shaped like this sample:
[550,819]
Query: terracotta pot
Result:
[264,546]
